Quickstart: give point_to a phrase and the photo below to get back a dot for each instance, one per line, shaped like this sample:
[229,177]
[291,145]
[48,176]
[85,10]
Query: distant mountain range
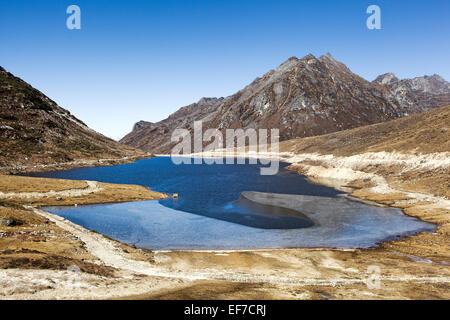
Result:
[302,97]
[35,130]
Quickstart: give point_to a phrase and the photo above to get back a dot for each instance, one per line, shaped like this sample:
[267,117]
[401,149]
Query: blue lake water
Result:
[212,213]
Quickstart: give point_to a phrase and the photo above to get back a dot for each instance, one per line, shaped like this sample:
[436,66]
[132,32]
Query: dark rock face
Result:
[302,97]
[34,129]
[10,222]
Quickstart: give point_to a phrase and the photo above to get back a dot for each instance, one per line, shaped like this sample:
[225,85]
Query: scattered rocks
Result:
[10,222]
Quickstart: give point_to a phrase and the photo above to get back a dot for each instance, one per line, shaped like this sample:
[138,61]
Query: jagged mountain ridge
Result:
[35,130]
[302,97]
[421,93]
[145,133]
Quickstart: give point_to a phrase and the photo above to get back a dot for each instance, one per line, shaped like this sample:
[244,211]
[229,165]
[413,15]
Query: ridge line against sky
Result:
[143,60]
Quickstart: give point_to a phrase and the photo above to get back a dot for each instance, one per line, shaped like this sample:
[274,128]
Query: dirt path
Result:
[111,254]
[92,187]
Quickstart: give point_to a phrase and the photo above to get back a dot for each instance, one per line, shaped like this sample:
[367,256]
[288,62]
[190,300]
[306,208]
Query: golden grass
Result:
[427,132]
[27,184]
[110,193]
[37,243]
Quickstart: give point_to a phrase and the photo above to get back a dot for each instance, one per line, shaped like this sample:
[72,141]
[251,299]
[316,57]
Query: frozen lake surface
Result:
[232,207]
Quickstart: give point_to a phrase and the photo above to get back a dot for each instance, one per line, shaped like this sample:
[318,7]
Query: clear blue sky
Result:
[136,60]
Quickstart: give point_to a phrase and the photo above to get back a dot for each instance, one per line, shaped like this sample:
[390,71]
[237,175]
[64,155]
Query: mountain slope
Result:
[411,154]
[156,136]
[422,133]
[302,97]
[35,130]
[421,93]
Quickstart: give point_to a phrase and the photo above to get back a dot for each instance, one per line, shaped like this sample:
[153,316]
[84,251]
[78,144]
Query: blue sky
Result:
[142,60]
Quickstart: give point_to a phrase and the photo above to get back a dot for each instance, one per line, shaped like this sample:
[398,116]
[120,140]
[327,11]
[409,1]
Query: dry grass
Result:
[223,290]
[432,246]
[207,290]
[37,243]
[435,183]
[27,184]
[423,133]
[33,242]
[110,193]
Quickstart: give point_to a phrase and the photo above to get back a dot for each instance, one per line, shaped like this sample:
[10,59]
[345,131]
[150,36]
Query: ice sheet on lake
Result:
[338,222]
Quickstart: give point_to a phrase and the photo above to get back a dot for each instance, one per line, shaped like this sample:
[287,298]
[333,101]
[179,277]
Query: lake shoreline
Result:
[346,267]
[81,163]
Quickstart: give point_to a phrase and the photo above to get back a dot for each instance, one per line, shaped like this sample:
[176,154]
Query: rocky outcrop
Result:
[418,94]
[386,78]
[34,129]
[156,136]
[302,97]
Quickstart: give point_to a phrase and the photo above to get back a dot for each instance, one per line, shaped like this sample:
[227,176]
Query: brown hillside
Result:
[426,132]
[35,130]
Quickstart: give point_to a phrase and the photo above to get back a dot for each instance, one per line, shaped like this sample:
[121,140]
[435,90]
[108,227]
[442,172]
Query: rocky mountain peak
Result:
[208,101]
[292,62]
[309,56]
[386,78]
[418,94]
[293,58]
[301,97]
[141,124]
[285,66]
[328,57]
[437,78]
